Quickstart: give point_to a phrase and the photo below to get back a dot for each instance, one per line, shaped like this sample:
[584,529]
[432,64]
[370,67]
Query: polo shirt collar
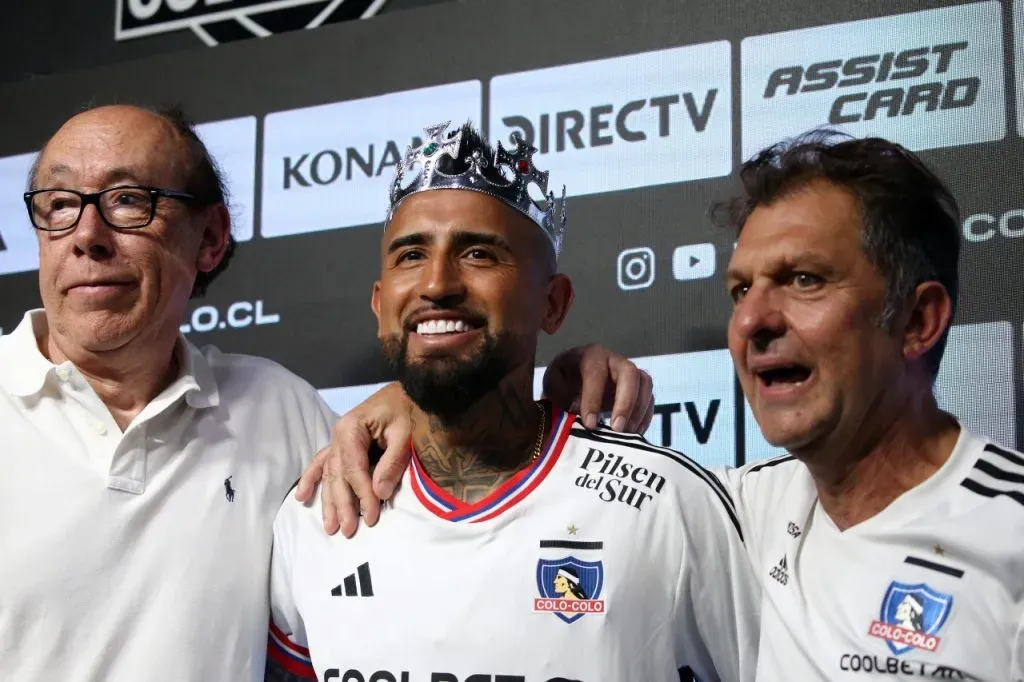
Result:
[24,369]
[197,378]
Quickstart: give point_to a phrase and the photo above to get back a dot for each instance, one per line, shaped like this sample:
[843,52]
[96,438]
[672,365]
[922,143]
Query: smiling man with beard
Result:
[457,579]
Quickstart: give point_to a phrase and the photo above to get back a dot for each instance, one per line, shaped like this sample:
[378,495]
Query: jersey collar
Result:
[510,493]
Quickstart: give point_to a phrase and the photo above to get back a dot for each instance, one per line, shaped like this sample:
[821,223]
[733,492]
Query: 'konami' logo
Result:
[330,165]
[320,163]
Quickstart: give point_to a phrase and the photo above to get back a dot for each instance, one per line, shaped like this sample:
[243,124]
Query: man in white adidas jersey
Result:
[520,546]
[888,540]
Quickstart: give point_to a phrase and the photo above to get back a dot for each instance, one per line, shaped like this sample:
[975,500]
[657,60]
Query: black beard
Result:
[448,387]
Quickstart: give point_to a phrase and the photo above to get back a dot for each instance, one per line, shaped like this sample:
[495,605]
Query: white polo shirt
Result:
[143,555]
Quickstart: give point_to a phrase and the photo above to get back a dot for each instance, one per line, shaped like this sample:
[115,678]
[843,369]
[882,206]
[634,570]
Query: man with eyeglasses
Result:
[128,208]
[140,475]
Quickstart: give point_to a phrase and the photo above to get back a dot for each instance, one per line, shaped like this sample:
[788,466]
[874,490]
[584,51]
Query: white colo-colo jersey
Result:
[931,587]
[606,559]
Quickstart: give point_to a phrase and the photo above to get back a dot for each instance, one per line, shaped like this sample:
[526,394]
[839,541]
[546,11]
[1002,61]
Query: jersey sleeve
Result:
[286,643]
[732,479]
[764,493]
[718,598]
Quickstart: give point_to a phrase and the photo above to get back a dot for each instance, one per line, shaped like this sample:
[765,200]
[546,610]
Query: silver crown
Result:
[419,168]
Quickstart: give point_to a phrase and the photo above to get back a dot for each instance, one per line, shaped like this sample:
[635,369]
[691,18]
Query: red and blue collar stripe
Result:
[511,492]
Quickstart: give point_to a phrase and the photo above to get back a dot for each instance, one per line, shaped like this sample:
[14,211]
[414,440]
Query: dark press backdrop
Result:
[644,115]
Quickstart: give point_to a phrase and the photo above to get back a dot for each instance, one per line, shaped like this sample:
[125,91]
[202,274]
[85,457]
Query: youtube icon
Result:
[693,261]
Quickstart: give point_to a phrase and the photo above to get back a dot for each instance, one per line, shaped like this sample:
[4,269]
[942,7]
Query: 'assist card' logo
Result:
[614,124]
[939,84]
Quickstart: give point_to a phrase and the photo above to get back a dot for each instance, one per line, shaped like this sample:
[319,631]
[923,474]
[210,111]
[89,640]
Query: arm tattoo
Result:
[275,673]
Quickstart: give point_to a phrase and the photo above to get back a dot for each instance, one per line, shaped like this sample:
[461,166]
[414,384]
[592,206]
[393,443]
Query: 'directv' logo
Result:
[612,124]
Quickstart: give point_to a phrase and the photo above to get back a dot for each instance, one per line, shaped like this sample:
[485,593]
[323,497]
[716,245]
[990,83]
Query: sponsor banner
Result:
[694,400]
[19,251]
[924,79]
[343,398]
[331,166]
[238,315]
[693,394]
[975,384]
[612,124]
[137,18]
[233,144]
[981,227]
[870,663]
[1018,60]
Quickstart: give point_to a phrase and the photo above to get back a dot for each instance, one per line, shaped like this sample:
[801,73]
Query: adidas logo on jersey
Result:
[349,588]
[780,571]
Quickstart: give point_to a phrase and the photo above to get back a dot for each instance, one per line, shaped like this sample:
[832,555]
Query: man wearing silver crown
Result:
[506,496]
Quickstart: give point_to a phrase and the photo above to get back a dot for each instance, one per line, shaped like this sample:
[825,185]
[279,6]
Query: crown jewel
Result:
[419,172]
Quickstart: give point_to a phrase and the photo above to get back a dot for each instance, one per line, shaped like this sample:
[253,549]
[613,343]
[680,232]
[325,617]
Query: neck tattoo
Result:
[472,473]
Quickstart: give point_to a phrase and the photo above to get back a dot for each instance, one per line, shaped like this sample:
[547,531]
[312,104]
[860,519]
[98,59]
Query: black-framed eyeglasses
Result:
[55,210]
